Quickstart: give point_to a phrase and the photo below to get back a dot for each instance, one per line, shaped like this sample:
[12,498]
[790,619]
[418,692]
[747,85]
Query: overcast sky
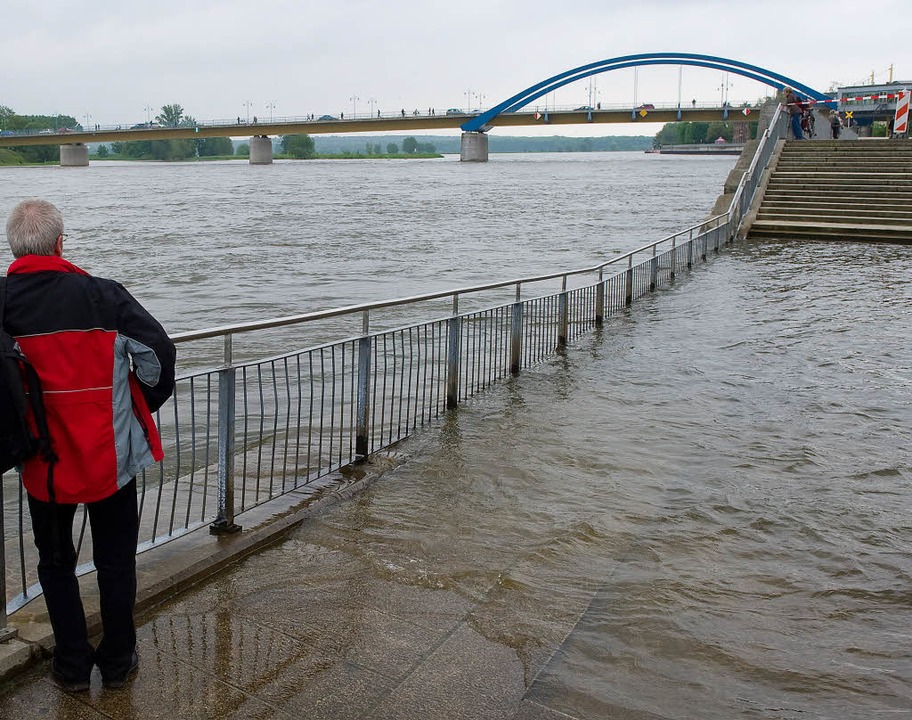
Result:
[227,58]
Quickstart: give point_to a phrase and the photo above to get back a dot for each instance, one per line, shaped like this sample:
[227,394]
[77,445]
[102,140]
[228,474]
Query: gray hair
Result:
[33,228]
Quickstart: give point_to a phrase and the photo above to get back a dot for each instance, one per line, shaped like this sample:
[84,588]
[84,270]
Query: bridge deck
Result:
[407,123]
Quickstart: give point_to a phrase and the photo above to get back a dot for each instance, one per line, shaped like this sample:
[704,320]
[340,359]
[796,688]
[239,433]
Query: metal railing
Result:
[248,431]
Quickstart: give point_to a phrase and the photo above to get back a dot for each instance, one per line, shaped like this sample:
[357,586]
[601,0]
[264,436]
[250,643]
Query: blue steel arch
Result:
[536,91]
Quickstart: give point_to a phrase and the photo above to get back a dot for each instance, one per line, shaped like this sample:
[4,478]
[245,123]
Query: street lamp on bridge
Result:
[148,111]
[86,126]
[247,106]
[372,102]
[354,101]
[270,107]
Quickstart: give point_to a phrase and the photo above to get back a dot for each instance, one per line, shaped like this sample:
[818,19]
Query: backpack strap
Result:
[36,402]
[2,299]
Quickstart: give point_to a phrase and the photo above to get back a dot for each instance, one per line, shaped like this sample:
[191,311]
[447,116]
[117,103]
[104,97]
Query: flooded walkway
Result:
[700,511]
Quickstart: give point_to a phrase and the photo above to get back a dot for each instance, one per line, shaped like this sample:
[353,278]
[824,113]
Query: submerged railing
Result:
[249,431]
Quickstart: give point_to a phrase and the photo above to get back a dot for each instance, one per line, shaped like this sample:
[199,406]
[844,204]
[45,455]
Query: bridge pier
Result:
[74,155]
[260,150]
[474,147]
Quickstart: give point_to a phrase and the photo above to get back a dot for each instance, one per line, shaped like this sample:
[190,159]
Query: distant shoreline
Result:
[9,162]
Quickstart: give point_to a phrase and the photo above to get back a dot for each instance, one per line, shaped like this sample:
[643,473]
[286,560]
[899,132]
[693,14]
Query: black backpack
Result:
[17,441]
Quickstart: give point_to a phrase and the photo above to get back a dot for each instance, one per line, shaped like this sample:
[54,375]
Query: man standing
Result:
[835,124]
[795,108]
[105,365]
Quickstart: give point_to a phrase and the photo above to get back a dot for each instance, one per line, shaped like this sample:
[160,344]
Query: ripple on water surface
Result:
[703,510]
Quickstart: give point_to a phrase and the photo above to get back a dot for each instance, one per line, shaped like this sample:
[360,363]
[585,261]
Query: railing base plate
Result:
[223,527]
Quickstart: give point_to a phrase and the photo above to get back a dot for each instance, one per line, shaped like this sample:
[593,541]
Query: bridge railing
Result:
[252,426]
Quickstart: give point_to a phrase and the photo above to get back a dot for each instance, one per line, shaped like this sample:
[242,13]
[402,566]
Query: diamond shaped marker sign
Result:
[643,113]
[746,111]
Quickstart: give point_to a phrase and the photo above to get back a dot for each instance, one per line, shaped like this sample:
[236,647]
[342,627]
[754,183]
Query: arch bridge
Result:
[507,113]
[475,146]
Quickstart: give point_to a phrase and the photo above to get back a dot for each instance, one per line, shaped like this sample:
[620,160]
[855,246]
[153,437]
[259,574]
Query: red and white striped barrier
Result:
[858,98]
[901,121]
[880,96]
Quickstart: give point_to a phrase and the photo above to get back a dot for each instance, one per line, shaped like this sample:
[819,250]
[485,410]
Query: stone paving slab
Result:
[170,567]
[322,638]
[267,624]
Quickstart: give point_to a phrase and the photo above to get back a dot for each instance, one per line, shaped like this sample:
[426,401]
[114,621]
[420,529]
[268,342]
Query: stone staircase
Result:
[839,190]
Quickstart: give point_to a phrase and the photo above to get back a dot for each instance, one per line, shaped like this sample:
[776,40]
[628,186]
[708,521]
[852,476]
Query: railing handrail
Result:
[380,304]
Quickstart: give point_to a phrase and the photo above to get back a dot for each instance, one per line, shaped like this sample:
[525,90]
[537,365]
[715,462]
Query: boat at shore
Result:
[702,149]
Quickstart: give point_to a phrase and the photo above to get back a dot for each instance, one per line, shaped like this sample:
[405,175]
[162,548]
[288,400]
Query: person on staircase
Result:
[795,109]
[835,124]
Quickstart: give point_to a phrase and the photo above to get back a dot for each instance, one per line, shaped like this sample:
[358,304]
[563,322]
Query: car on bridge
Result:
[646,106]
[6,133]
[455,111]
[327,117]
[586,108]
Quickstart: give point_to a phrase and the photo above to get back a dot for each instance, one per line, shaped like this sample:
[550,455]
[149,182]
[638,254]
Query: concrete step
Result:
[895,208]
[847,146]
[847,193]
[891,165]
[863,183]
[844,219]
[830,175]
[827,203]
[899,152]
[855,210]
[830,231]
[844,193]
[846,201]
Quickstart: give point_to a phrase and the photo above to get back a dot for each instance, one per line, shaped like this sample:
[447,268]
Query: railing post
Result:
[516,332]
[690,249]
[563,315]
[674,257]
[653,270]
[454,325]
[365,349]
[628,291]
[6,632]
[600,299]
[703,245]
[224,520]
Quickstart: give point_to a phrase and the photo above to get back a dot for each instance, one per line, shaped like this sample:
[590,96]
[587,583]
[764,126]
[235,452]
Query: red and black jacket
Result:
[105,366]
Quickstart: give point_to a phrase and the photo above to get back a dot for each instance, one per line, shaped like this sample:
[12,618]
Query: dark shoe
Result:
[68,684]
[116,682]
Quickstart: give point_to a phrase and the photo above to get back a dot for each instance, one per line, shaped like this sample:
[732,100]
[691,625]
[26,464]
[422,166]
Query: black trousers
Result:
[114,523]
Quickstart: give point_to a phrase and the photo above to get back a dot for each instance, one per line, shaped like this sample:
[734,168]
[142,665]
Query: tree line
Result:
[694,133]
[14,122]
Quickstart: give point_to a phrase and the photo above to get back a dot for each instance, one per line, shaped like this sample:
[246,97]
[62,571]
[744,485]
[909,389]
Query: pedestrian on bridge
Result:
[105,366]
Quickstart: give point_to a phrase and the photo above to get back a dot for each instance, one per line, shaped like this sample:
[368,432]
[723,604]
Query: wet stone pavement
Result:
[306,630]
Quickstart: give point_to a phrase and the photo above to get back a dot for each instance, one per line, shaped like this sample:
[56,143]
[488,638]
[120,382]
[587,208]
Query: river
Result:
[706,502]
